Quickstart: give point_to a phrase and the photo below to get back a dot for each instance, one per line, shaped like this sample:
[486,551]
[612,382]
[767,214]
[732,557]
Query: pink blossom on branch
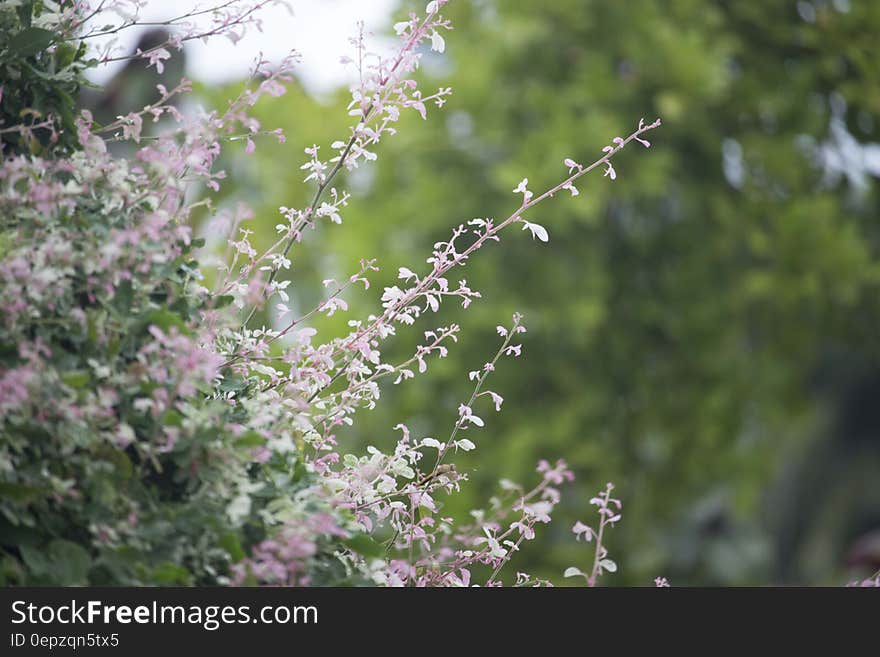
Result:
[609,513]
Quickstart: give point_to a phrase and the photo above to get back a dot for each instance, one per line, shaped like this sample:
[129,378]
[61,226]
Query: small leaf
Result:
[122,298]
[232,384]
[571,571]
[608,565]
[232,545]
[68,563]
[537,231]
[364,546]
[19,493]
[250,439]
[438,44]
[172,419]
[30,41]
[76,378]
[169,573]
[165,319]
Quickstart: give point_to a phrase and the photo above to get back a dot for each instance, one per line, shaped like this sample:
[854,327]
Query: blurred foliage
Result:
[32,77]
[702,331]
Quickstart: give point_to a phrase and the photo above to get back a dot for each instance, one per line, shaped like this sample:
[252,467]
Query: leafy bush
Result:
[40,83]
[148,433]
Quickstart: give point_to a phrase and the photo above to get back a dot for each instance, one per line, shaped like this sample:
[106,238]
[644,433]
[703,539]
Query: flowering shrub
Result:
[149,432]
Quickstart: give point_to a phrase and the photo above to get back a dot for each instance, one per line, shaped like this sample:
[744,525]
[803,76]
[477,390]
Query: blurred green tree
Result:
[703,329]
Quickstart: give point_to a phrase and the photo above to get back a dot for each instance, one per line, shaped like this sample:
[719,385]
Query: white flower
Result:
[537,231]
[495,549]
[391,295]
[437,42]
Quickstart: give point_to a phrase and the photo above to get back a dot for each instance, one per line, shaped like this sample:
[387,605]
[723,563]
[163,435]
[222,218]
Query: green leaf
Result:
[63,564]
[30,41]
[76,378]
[250,439]
[299,473]
[19,493]
[34,559]
[231,543]
[165,319]
[65,54]
[364,545]
[10,571]
[169,573]
[123,297]
[122,465]
[70,562]
[223,301]
[232,384]
[172,419]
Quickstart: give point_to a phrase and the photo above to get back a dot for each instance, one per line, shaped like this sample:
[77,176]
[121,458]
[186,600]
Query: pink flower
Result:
[156,58]
[582,530]
[524,529]
[522,189]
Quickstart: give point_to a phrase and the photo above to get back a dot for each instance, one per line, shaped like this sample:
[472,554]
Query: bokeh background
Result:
[702,331]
